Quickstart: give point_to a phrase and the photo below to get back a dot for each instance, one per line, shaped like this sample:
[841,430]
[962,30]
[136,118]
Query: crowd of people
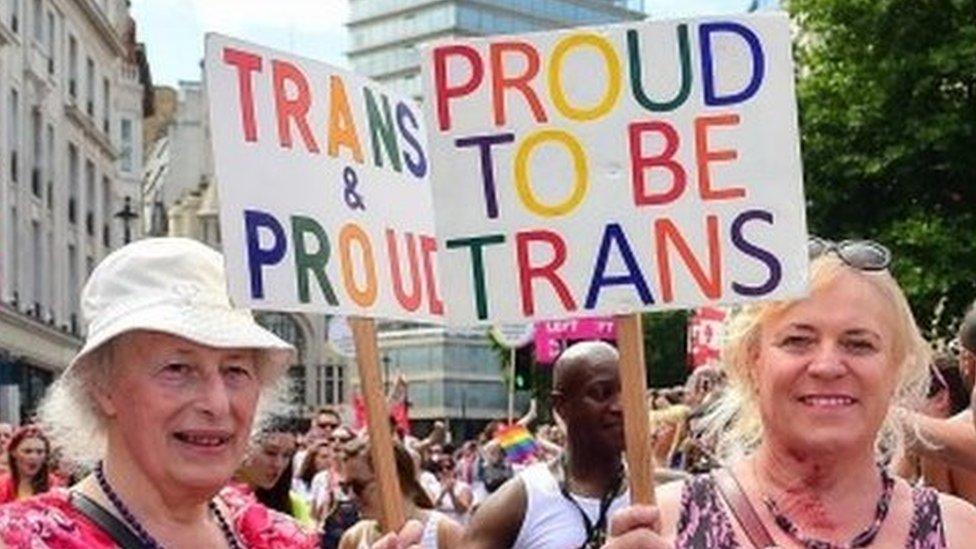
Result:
[829,423]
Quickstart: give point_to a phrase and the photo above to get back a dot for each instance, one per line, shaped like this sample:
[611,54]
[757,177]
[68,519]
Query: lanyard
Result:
[595,533]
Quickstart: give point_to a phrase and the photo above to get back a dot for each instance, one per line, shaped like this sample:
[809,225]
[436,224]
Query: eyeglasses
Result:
[864,255]
[326,425]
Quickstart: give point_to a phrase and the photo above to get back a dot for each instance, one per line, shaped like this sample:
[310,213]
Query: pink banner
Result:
[554,336]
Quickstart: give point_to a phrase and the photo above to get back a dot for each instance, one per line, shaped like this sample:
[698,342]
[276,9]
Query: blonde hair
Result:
[70,416]
[734,418]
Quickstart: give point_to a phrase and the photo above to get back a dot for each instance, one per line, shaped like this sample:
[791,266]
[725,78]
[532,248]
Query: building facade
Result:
[180,199]
[73,82]
[453,375]
[385,34]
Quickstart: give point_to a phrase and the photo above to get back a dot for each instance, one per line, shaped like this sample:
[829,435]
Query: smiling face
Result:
[182,412]
[825,368]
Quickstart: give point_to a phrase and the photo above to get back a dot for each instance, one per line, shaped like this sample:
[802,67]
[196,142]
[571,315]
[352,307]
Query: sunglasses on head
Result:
[864,255]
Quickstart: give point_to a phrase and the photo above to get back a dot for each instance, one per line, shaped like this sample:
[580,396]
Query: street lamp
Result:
[127,215]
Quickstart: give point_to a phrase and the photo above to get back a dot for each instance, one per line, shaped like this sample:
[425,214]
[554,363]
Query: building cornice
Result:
[102,26]
[83,121]
[7,35]
[38,343]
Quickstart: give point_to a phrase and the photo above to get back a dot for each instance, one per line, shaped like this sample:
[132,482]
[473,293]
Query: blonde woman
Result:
[813,383]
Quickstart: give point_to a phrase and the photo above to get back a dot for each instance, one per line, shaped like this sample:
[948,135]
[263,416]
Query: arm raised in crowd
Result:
[529,416]
[497,521]
[952,440]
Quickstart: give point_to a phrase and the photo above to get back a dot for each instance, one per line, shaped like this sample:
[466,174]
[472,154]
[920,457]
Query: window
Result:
[125,149]
[37,140]
[49,43]
[329,384]
[37,266]
[15,16]
[15,256]
[49,139]
[72,183]
[38,20]
[105,106]
[106,211]
[73,67]
[73,287]
[90,198]
[90,86]
[13,133]
[49,287]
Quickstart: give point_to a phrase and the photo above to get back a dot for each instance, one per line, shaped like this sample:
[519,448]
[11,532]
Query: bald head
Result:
[586,395]
[580,359]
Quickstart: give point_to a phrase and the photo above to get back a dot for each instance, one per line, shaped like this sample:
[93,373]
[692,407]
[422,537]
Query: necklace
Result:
[861,540]
[145,538]
[595,533]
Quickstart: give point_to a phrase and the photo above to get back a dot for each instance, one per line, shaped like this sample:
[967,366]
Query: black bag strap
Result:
[115,528]
[744,513]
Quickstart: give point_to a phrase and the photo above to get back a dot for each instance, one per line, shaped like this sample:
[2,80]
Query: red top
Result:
[49,521]
[7,491]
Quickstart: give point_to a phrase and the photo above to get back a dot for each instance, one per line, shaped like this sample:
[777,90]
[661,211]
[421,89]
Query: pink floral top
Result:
[49,521]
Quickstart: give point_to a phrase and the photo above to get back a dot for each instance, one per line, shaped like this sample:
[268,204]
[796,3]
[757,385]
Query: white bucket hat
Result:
[175,286]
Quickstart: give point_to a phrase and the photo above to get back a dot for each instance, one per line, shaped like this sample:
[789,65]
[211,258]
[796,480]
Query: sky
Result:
[173,30]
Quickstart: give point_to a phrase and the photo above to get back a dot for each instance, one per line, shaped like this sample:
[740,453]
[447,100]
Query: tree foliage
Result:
[665,347]
[887,97]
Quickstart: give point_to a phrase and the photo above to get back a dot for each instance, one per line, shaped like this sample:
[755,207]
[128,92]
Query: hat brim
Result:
[218,327]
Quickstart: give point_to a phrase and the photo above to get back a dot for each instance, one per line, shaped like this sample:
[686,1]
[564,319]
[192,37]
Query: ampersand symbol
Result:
[353,199]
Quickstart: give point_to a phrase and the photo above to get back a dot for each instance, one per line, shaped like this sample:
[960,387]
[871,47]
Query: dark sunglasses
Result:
[864,255]
[327,425]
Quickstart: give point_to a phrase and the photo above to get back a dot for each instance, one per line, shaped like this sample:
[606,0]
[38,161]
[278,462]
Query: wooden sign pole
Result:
[511,386]
[633,399]
[392,516]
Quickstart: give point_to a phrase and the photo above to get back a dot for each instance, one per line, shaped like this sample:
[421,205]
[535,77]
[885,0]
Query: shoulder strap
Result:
[744,513]
[115,528]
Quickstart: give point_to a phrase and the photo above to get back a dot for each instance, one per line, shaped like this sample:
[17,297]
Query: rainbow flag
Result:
[517,443]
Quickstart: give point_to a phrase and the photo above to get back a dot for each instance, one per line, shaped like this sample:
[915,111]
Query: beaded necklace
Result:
[861,540]
[145,538]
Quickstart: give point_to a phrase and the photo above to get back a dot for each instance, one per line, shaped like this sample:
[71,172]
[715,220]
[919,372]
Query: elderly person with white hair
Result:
[811,410]
[162,398]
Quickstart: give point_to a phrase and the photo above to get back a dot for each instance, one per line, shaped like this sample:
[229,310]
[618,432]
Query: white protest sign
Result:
[323,178]
[513,336]
[634,167]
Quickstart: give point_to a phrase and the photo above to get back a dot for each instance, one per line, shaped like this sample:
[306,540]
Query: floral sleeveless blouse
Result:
[704,524]
[49,521]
